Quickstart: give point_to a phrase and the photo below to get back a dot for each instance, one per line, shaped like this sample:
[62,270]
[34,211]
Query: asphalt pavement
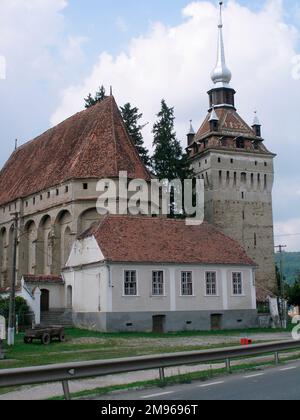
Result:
[281,383]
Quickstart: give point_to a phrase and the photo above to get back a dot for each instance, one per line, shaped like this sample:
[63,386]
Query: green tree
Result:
[100,95]
[168,161]
[131,117]
[22,309]
[293,293]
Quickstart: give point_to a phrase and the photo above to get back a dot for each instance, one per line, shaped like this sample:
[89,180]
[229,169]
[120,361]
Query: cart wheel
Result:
[62,337]
[27,340]
[46,339]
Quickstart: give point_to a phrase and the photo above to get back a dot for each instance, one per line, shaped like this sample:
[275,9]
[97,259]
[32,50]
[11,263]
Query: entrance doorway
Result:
[45,300]
[216,322]
[158,322]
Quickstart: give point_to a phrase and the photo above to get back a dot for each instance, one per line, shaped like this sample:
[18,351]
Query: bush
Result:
[22,309]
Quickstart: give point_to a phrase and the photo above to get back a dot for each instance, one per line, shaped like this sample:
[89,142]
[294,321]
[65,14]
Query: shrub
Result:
[22,309]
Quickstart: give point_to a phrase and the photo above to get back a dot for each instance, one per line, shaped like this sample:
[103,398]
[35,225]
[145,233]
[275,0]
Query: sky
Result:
[54,52]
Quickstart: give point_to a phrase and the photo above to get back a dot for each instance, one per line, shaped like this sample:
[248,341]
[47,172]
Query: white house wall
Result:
[172,300]
[85,251]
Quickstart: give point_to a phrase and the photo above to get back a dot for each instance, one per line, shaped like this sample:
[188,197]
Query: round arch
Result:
[3,266]
[87,218]
[30,236]
[43,238]
[62,240]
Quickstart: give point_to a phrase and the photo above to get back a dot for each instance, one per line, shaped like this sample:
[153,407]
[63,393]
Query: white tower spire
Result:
[221,76]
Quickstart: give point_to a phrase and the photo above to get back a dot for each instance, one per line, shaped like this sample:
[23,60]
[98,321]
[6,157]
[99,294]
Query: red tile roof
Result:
[92,144]
[29,278]
[158,240]
[230,123]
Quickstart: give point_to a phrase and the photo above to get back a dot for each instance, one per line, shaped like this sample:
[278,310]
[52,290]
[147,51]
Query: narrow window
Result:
[211,283]
[158,283]
[234,178]
[243,177]
[130,283]
[85,186]
[228,178]
[265,182]
[66,189]
[186,284]
[252,180]
[237,284]
[255,240]
[57,192]
[219,160]
[240,143]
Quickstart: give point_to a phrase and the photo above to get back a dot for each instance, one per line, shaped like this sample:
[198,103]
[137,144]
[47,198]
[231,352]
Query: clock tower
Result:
[237,168]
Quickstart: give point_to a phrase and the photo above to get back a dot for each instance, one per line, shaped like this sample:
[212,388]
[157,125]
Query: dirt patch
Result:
[88,341]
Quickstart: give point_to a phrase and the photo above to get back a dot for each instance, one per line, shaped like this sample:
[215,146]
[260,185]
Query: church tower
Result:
[238,172]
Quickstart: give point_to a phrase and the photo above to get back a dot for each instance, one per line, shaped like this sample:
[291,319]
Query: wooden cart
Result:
[45,335]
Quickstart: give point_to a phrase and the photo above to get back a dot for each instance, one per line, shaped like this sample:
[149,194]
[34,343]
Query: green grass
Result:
[111,346]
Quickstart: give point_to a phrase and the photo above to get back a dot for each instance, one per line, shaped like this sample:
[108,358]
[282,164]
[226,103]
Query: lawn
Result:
[83,345]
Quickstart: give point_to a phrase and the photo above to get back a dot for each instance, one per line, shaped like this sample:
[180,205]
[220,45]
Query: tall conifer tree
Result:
[131,117]
[100,95]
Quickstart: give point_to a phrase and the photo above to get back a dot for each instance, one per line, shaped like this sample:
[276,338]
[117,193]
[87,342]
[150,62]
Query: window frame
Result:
[182,294]
[163,284]
[206,284]
[125,272]
[233,274]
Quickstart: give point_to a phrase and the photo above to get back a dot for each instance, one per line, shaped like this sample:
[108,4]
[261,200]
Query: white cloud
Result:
[288,233]
[176,62]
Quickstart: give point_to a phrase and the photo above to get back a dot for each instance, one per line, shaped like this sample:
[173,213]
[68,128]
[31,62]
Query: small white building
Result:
[152,274]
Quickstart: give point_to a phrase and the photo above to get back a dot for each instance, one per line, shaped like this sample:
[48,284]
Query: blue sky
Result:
[53,53]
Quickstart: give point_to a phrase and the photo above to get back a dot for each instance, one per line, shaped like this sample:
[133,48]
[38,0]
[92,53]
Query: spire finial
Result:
[192,131]
[213,115]
[256,119]
[221,16]
[16,144]
[221,76]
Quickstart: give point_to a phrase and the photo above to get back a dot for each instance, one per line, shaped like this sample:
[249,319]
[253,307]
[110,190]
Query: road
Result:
[280,383]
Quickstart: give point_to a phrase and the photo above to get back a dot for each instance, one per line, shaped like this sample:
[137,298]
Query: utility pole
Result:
[12,301]
[283,309]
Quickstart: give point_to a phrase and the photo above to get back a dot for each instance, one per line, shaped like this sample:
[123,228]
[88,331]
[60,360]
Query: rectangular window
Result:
[211,283]
[130,283]
[157,283]
[237,284]
[186,284]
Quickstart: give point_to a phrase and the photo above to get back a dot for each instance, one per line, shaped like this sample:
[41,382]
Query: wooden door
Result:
[216,322]
[159,324]
[45,300]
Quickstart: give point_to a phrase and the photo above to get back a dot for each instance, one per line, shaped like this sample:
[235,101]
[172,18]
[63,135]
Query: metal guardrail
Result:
[81,370]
